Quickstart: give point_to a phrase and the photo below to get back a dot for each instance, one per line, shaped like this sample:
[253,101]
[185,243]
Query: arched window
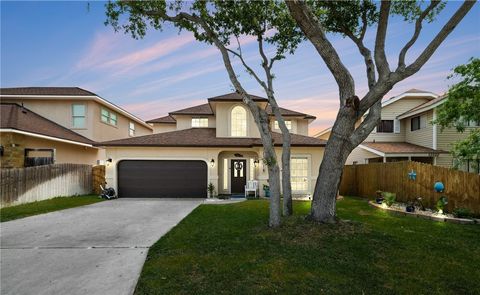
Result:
[238,121]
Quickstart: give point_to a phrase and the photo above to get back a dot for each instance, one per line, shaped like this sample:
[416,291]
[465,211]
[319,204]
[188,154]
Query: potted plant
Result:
[419,203]
[441,204]
[266,189]
[410,207]
[211,189]
[379,197]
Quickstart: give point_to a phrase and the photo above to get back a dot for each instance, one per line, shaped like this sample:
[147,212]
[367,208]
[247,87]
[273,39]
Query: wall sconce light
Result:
[212,163]
[255,163]
[108,161]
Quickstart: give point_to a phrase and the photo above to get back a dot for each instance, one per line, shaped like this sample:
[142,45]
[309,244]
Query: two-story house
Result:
[217,142]
[60,125]
[407,132]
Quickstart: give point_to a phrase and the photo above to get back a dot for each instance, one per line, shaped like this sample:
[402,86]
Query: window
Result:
[39,157]
[415,123]
[238,121]
[199,122]
[299,174]
[385,126]
[108,117]
[78,115]
[225,174]
[252,169]
[287,122]
[131,129]
[473,123]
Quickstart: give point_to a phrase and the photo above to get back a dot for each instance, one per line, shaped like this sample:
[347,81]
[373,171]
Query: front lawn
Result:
[227,249]
[40,207]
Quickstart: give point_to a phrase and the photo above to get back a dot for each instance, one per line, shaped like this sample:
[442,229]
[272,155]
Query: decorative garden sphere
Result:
[439,187]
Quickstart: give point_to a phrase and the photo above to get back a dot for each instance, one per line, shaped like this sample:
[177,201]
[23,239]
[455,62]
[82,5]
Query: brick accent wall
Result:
[13,150]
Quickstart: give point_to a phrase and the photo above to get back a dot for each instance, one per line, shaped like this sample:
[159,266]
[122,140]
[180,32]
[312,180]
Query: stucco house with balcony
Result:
[406,132]
[66,118]
[217,142]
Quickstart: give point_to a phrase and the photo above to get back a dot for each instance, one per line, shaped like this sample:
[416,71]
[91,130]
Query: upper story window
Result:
[418,122]
[108,117]
[288,123]
[199,122]
[131,129]
[238,121]
[78,115]
[385,126]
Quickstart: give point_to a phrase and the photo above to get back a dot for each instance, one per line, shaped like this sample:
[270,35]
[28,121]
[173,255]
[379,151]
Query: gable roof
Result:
[206,137]
[62,92]
[235,97]
[329,129]
[163,120]
[410,93]
[203,109]
[431,104]
[17,118]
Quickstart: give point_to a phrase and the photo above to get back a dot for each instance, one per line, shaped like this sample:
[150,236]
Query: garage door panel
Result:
[162,179]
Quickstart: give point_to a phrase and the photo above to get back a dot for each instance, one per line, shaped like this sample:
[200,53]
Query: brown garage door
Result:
[162,179]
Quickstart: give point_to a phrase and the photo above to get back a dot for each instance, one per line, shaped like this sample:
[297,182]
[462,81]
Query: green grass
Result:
[228,249]
[40,207]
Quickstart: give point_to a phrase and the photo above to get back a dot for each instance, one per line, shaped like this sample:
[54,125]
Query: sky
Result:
[65,43]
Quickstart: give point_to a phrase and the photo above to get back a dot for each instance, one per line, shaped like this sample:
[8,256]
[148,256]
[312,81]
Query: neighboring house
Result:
[28,139]
[406,132]
[217,142]
[79,110]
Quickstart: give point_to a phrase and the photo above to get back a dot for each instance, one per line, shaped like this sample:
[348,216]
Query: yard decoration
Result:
[266,189]
[410,207]
[379,198]
[412,175]
[439,187]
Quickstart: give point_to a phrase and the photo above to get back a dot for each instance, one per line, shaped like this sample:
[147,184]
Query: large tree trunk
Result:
[274,183]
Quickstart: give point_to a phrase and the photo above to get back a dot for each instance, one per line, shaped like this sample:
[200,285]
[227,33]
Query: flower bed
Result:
[399,208]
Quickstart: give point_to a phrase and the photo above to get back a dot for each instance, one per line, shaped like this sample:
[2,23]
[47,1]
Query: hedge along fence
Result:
[461,188]
[25,185]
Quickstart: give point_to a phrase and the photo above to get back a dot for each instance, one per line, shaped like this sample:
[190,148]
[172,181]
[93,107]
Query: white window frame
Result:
[108,117]
[199,122]
[288,123]
[237,130]
[84,116]
[131,129]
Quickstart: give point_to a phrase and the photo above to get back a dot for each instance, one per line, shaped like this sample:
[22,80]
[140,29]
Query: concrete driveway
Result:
[94,249]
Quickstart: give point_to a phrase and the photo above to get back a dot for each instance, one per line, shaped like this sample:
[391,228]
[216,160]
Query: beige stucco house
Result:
[81,118]
[216,142]
[406,132]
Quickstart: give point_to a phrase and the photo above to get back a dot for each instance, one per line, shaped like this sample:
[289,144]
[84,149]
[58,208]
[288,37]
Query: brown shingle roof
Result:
[235,97]
[13,116]
[203,109]
[68,91]
[289,113]
[425,105]
[165,120]
[399,148]
[206,137]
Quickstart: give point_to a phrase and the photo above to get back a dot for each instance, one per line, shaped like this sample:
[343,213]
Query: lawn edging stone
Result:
[440,218]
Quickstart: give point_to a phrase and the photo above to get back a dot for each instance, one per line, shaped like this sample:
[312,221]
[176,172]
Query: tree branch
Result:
[315,32]
[364,129]
[418,29]
[380,58]
[435,43]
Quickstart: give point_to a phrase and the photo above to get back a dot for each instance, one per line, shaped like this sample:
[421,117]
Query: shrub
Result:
[389,198]
[462,213]
[211,189]
[441,204]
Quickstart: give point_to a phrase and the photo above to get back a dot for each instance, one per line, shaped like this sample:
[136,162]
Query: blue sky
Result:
[65,44]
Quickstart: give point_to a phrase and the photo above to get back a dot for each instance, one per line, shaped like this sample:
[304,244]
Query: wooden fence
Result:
[461,188]
[24,185]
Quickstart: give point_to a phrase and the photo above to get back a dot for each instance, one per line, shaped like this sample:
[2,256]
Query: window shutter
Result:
[423,121]
[396,126]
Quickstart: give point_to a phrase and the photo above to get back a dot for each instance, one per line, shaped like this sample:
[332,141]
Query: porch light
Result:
[108,161]
[255,163]
[212,163]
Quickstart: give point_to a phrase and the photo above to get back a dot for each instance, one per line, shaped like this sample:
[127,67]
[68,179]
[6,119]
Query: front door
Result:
[238,176]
